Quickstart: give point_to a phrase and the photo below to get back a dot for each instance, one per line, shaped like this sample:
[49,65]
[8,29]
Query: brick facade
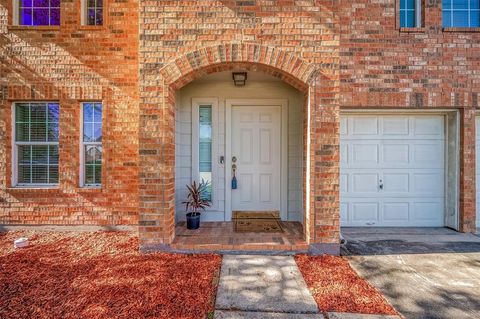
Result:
[341,54]
[71,64]
[383,66]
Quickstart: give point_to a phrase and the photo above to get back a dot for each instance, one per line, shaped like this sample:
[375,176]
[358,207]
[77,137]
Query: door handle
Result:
[381,185]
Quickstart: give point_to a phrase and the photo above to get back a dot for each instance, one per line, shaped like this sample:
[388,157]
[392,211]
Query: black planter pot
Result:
[193,221]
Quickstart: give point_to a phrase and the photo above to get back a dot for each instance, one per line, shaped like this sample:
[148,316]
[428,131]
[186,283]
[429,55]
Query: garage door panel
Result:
[391,154]
[344,183]
[343,126]
[395,125]
[364,125]
[427,127]
[396,153]
[427,211]
[365,182]
[406,155]
[429,153]
[429,183]
[396,211]
[365,212]
[396,183]
[344,154]
[392,212]
[365,153]
[344,216]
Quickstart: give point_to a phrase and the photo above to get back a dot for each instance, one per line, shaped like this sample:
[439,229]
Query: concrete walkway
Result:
[268,287]
[263,284]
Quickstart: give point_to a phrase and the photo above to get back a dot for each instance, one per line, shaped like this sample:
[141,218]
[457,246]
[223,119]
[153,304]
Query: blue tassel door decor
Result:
[234,178]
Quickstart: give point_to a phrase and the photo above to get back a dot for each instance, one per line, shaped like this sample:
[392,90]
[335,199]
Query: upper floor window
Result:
[35,149]
[37,12]
[410,13]
[461,13]
[92,12]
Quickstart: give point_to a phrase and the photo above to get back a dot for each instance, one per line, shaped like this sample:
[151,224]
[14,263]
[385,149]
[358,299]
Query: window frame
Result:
[451,10]
[418,10]
[83,15]
[196,103]
[16,17]
[82,148]
[15,147]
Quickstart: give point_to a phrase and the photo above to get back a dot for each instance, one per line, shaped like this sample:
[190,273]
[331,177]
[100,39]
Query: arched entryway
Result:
[320,138]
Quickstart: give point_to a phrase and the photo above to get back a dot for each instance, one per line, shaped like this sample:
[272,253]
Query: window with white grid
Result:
[410,13]
[36,131]
[461,13]
[92,12]
[36,12]
[91,148]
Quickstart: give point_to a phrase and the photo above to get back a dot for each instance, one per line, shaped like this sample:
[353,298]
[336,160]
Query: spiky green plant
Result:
[196,197]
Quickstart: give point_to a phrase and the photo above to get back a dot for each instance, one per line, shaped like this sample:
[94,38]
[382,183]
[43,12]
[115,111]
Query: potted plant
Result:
[196,201]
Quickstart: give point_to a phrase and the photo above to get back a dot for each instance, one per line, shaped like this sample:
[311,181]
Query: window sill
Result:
[412,30]
[461,29]
[35,188]
[33,28]
[92,28]
[90,189]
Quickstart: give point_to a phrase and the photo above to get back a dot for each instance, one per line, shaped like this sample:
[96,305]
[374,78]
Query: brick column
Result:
[324,202]
[157,167]
[467,171]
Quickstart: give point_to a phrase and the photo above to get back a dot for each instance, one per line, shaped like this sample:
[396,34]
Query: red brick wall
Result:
[71,64]
[382,66]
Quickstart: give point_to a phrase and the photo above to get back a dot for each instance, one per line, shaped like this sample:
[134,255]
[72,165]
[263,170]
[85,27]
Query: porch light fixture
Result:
[239,78]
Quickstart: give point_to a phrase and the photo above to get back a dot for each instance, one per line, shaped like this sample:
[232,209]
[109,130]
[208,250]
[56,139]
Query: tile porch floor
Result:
[220,236]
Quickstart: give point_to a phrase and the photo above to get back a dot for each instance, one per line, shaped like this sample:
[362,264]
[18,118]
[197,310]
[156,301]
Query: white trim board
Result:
[283,103]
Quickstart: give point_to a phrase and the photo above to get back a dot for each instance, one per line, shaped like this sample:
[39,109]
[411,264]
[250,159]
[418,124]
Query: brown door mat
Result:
[257,226]
[257,221]
[256,215]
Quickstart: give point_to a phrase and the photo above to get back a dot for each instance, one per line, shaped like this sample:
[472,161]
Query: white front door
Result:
[392,170]
[256,145]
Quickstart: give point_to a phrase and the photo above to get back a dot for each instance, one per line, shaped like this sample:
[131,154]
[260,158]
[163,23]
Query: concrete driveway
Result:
[423,272]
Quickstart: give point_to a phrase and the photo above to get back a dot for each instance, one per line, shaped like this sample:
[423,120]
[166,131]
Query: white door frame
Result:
[283,103]
[452,154]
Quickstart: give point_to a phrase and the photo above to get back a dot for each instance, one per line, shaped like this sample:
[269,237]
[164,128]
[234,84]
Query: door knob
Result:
[381,184]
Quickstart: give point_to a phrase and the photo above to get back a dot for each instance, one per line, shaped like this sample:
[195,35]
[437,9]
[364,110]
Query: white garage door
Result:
[478,170]
[392,170]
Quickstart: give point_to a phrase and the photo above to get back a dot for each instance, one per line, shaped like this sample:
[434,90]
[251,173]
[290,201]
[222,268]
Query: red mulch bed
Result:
[101,275]
[337,287]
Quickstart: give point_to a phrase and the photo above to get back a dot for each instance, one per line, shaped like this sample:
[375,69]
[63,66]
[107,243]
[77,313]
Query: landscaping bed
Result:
[101,275]
[336,287]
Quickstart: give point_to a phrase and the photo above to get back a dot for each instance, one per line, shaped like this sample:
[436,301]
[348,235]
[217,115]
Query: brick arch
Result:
[321,135]
[240,56]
